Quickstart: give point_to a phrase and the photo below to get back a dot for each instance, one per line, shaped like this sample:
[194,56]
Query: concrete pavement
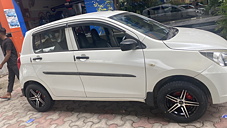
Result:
[17,113]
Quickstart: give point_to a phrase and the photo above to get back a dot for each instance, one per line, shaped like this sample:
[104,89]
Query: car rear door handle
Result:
[82,57]
[38,58]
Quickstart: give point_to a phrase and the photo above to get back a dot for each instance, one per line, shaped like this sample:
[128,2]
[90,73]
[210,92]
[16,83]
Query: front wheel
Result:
[182,102]
[39,98]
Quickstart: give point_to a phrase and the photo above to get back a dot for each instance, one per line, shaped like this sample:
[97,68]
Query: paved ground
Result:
[82,114]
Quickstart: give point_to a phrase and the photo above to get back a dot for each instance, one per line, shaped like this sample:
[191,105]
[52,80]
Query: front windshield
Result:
[144,25]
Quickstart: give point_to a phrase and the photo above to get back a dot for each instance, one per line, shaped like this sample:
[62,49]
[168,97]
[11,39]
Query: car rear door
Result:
[105,70]
[54,63]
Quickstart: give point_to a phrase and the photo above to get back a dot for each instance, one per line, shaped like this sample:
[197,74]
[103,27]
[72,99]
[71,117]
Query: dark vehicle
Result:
[199,11]
[187,6]
[167,12]
[199,5]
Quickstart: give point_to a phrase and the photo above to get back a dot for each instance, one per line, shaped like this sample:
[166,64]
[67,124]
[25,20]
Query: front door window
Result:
[98,37]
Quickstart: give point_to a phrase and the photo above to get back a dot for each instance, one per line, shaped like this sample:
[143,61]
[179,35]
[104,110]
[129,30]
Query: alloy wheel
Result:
[181,103]
[37,98]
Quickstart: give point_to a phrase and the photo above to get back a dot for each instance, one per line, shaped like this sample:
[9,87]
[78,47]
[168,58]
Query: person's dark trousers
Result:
[13,71]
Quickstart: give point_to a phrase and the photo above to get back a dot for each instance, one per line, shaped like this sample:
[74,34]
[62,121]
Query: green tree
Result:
[213,3]
[176,2]
[150,3]
[222,23]
[212,6]
[129,5]
[105,6]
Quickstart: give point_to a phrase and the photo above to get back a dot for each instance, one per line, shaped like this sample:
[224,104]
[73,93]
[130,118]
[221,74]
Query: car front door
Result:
[158,14]
[176,13]
[53,63]
[105,70]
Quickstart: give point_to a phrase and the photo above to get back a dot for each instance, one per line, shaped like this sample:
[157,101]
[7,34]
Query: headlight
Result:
[218,56]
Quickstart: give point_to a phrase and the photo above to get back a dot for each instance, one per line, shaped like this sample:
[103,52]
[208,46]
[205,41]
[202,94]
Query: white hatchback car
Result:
[122,56]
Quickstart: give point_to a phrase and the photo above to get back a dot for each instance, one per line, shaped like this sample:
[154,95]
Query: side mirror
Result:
[128,44]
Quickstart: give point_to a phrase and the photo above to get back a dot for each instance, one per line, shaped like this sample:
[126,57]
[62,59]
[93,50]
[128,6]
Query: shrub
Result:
[222,23]
[212,7]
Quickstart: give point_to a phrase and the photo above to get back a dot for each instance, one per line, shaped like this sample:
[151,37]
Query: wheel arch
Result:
[33,82]
[189,79]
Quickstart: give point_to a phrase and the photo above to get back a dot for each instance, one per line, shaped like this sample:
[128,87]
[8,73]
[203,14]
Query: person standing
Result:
[10,57]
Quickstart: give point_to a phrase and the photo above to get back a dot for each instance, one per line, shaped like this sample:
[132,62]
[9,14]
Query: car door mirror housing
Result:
[128,44]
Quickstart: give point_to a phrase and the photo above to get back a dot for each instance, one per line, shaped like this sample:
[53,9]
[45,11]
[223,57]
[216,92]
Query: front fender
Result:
[152,81]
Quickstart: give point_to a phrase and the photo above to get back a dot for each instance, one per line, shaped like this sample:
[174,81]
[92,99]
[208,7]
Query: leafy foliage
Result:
[213,3]
[212,7]
[105,6]
[176,2]
[138,6]
[222,23]
[151,3]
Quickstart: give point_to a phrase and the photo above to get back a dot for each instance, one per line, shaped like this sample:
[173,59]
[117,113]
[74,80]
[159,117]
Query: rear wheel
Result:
[182,101]
[39,98]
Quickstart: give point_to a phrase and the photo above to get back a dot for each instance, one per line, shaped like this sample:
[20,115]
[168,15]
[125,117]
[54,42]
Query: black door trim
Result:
[89,74]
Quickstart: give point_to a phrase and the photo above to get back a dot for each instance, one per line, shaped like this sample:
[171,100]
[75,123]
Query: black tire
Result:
[39,98]
[182,101]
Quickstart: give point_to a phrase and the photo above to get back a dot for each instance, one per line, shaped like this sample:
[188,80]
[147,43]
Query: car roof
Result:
[93,15]
[101,14]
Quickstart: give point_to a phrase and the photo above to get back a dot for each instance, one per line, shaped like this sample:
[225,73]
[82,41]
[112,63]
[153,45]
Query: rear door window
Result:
[50,41]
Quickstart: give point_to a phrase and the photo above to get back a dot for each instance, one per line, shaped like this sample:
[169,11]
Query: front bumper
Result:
[215,78]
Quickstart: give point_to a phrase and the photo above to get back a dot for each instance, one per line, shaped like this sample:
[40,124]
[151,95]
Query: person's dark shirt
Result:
[7,44]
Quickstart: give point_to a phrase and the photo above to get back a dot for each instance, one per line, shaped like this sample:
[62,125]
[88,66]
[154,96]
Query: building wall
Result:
[17,35]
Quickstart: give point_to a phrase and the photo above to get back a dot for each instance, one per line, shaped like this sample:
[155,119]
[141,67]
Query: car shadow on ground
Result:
[133,109]
[137,109]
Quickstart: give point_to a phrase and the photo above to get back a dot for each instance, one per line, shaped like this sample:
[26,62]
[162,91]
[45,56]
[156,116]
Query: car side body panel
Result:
[160,62]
